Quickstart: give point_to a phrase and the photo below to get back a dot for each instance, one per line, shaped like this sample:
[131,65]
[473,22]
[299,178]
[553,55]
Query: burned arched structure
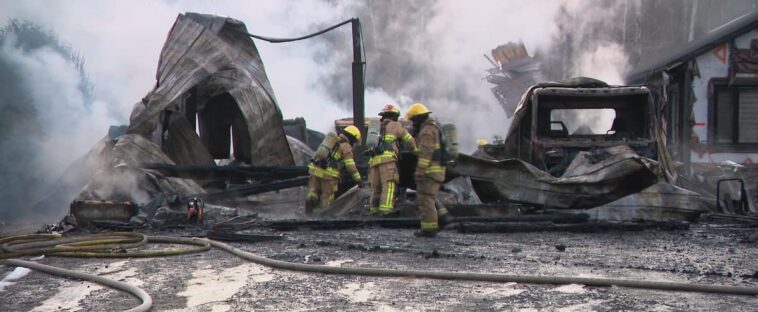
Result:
[211,76]
[211,100]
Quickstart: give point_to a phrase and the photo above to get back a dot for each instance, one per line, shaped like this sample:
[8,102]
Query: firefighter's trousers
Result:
[426,191]
[321,191]
[383,179]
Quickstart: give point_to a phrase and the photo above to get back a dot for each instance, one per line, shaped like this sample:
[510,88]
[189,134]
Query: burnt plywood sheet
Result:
[214,55]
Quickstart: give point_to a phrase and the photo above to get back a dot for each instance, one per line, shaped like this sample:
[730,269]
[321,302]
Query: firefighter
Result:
[430,170]
[325,176]
[383,172]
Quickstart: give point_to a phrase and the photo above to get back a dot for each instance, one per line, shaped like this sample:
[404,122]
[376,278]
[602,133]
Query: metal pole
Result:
[358,81]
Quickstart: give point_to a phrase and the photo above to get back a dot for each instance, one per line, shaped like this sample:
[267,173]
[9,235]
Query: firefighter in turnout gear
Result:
[383,172]
[430,171]
[325,175]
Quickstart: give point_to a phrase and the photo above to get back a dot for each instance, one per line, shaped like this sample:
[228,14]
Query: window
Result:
[612,115]
[587,121]
[748,116]
[734,120]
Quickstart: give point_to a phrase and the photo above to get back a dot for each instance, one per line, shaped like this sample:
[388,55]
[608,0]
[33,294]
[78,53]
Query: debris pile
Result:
[513,72]
[211,129]
[212,102]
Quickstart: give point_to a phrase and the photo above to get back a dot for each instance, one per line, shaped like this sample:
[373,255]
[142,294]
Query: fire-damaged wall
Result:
[707,95]
[725,104]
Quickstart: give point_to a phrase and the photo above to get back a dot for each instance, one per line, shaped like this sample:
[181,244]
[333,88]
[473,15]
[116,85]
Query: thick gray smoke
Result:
[605,39]
[400,52]
[430,51]
[47,114]
[417,50]
[420,50]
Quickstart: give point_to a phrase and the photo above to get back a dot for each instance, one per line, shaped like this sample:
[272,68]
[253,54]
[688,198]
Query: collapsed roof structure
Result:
[211,101]
[210,70]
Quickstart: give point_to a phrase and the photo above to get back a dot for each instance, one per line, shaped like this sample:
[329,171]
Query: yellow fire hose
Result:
[107,245]
[113,245]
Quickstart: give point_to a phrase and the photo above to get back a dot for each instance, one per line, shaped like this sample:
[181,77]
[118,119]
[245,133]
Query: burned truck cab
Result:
[566,120]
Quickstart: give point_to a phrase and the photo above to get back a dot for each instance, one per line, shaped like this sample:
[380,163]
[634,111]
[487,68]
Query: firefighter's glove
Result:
[361,183]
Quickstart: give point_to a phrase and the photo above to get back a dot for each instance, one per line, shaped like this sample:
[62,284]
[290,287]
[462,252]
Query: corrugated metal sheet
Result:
[215,55]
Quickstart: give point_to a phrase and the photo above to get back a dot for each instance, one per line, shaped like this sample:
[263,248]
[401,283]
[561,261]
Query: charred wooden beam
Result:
[253,189]
[219,173]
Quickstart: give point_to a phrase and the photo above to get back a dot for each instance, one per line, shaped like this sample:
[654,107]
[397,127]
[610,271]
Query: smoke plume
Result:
[48,114]
[431,52]
[417,51]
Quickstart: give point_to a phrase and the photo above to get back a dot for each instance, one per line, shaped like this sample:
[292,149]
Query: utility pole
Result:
[359,119]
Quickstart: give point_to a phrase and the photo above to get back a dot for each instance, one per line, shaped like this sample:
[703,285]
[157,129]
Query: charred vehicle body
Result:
[582,144]
[556,121]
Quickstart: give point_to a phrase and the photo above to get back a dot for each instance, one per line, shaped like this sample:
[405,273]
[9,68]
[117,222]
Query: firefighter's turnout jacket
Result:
[383,172]
[325,176]
[430,172]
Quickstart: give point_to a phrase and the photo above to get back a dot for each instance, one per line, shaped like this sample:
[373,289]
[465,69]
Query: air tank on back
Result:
[451,140]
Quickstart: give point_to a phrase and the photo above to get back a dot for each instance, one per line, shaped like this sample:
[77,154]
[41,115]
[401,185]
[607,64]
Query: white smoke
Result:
[598,54]
[588,30]
[121,43]
[431,52]
[607,62]
[70,124]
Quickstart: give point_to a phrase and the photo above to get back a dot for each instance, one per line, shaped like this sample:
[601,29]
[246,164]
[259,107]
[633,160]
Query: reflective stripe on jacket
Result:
[342,156]
[393,131]
[430,151]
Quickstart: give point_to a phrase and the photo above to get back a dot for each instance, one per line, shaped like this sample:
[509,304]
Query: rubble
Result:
[210,70]
[123,177]
[462,190]
[545,152]
[553,156]
[550,175]
[209,74]
[514,71]
[661,201]
[513,180]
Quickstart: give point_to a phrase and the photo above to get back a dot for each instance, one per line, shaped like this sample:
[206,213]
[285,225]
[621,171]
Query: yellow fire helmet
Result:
[353,131]
[481,142]
[415,110]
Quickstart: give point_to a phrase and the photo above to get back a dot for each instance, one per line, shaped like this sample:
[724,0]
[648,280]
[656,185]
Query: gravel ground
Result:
[217,281]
